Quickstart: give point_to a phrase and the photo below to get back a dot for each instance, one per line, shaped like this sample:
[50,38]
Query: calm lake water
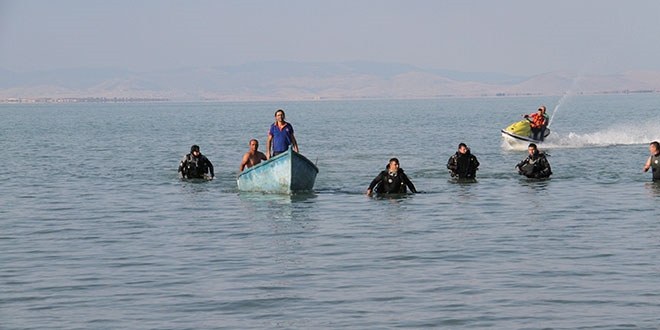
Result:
[97,232]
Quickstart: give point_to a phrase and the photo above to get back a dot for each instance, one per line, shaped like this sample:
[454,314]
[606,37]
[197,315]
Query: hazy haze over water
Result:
[513,37]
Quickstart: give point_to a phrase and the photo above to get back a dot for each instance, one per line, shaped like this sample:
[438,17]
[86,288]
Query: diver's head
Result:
[654,147]
[462,148]
[194,150]
[533,149]
[394,165]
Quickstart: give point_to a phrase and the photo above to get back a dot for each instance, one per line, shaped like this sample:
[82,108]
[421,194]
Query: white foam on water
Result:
[616,135]
[628,134]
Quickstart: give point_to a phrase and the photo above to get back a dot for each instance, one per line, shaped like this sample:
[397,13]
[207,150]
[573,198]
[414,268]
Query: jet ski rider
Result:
[537,124]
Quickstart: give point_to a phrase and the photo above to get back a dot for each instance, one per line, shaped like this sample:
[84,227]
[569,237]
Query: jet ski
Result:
[521,132]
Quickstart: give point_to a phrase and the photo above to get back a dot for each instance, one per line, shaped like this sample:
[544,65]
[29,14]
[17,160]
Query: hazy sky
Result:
[523,37]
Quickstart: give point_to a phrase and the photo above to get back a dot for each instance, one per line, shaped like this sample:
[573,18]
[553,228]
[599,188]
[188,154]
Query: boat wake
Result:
[618,135]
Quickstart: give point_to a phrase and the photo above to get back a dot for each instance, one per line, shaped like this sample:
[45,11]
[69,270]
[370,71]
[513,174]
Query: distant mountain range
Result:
[272,81]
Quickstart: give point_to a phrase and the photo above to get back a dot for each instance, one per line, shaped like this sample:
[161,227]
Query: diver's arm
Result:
[182,166]
[648,164]
[451,163]
[374,182]
[408,183]
[545,171]
[208,163]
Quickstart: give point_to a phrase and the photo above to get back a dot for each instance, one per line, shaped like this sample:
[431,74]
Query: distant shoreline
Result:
[82,100]
[292,81]
[45,100]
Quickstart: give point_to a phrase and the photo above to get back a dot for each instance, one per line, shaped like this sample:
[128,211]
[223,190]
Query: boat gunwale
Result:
[289,153]
[262,164]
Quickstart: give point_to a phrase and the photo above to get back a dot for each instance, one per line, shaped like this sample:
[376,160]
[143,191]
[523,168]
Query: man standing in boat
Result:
[252,157]
[653,162]
[280,136]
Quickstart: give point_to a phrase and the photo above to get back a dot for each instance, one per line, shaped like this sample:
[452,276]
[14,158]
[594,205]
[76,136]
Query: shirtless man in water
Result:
[252,157]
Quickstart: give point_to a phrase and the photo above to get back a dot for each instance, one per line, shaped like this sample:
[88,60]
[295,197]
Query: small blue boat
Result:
[285,173]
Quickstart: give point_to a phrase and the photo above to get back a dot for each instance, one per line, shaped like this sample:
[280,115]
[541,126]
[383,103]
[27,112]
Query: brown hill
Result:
[294,81]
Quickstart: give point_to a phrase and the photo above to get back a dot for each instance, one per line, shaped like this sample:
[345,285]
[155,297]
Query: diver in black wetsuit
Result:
[463,164]
[535,165]
[653,162]
[195,165]
[391,181]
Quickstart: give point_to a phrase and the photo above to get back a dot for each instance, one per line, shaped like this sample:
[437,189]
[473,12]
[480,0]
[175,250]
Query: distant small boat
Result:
[520,132]
[285,173]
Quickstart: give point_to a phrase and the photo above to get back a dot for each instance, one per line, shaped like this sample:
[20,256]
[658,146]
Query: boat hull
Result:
[285,173]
